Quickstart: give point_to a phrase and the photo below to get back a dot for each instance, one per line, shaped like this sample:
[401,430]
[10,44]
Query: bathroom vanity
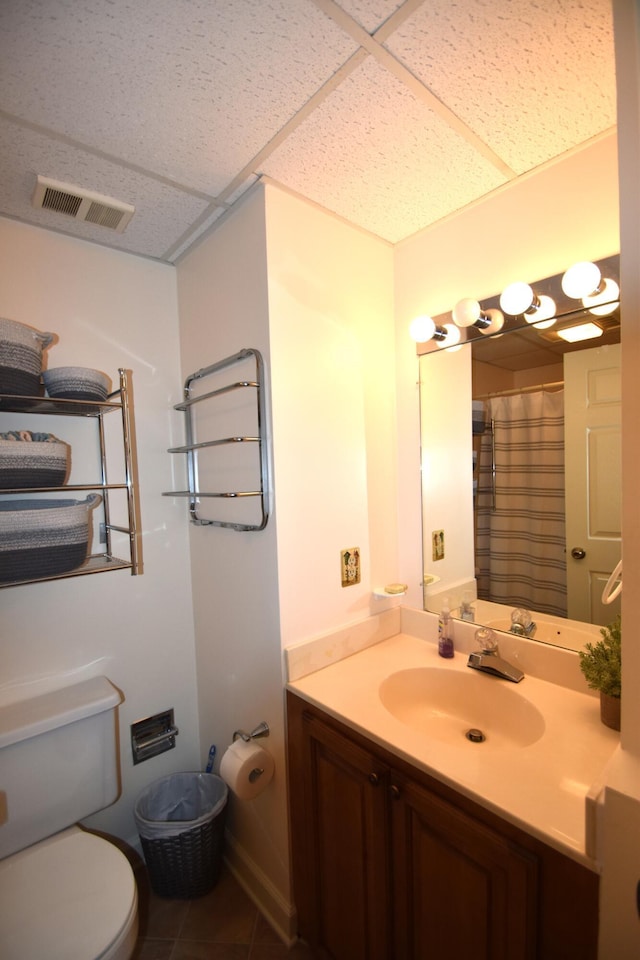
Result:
[409,844]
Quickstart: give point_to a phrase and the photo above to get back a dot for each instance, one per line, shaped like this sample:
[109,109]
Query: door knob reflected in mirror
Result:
[578,553]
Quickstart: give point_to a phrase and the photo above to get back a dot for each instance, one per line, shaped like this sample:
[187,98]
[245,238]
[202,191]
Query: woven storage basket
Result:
[21,350]
[33,460]
[183,856]
[42,538]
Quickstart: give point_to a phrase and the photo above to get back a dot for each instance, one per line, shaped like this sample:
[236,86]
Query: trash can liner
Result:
[180,801]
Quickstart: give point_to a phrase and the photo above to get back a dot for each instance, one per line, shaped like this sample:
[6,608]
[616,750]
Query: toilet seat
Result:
[70,897]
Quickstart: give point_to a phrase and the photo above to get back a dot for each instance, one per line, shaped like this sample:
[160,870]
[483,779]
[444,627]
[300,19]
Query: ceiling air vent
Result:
[82,204]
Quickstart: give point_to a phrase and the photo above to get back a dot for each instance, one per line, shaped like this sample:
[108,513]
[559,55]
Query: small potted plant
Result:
[601,665]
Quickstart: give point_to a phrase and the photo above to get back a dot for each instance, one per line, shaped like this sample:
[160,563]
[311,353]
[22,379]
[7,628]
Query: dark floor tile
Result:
[153,950]
[264,932]
[225,915]
[272,951]
[204,950]
[162,919]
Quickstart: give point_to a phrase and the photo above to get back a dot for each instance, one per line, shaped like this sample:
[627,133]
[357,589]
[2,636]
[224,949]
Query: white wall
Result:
[314,296]
[223,307]
[447,474]
[110,310]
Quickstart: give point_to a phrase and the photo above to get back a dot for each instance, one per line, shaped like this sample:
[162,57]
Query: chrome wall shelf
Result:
[120,400]
[193,447]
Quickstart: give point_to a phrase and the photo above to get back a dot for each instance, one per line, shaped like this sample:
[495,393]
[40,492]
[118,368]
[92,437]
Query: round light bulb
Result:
[517,298]
[581,280]
[600,304]
[496,318]
[422,329]
[453,336]
[545,314]
[466,312]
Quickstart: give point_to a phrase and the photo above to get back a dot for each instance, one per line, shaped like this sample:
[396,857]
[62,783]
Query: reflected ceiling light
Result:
[423,328]
[545,314]
[469,313]
[581,331]
[496,322]
[518,298]
[604,302]
[451,336]
[582,280]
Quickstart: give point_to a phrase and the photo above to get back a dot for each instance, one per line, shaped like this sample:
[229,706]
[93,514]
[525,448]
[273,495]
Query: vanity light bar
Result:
[591,287]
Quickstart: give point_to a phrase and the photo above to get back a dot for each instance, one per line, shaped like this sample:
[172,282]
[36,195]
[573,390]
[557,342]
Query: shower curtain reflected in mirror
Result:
[519,503]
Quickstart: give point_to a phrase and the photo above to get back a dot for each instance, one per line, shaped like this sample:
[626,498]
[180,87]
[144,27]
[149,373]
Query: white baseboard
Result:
[280,914]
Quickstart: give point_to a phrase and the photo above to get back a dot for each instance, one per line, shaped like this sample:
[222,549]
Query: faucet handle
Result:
[487,640]
[521,616]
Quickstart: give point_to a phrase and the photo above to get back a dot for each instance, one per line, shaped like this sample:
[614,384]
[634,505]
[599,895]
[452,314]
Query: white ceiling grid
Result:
[390,114]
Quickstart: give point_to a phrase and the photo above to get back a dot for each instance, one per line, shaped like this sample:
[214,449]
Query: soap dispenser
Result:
[467,609]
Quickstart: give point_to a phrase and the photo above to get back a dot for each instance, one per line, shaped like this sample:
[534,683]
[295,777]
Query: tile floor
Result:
[223,925]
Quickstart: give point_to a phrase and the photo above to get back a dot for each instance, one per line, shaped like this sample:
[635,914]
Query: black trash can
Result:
[180,820]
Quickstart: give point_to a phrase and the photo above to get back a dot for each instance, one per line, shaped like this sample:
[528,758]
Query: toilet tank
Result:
[58,760]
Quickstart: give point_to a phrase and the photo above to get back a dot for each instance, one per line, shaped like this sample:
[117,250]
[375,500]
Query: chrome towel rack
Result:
[191,448]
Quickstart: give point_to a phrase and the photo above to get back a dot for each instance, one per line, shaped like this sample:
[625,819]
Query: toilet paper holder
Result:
[262,730]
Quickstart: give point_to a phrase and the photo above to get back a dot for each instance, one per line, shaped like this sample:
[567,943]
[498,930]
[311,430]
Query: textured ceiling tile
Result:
[162,212]
[370,14]
[379,157]
[189,89]
[533,78]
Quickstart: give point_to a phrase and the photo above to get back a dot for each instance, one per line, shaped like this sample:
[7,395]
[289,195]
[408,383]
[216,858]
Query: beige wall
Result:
[331,329]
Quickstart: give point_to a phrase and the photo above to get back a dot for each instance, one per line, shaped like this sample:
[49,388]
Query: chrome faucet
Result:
[521,623]
[488,659]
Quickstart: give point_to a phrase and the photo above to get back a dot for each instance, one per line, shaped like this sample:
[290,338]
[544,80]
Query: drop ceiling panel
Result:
[389,113]
[189,89]
[162,212]
[532,79]
[370,14]
[378,156]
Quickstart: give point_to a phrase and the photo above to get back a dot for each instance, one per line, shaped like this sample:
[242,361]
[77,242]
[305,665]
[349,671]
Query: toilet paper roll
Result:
[246,768]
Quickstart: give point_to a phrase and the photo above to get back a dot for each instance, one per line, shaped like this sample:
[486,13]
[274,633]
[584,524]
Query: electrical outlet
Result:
[350,566]
[437,545]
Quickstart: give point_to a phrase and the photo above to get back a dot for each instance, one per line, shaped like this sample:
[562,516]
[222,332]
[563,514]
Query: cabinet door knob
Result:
[394,791]
[374,779]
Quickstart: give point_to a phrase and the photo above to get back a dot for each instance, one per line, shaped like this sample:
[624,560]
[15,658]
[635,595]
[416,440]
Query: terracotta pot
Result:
[610,711]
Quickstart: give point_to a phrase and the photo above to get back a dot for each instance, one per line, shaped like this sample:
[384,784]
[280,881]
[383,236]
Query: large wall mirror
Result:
[521,450]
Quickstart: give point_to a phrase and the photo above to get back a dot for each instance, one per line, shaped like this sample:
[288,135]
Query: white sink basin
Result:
[445,705]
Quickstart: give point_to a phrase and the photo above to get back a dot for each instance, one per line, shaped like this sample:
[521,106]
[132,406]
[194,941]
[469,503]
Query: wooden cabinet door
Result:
[338,815]
[460,889]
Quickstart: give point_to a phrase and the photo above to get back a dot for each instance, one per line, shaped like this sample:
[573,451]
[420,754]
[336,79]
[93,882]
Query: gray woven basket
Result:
[21,350]
[27,463]
[41,538]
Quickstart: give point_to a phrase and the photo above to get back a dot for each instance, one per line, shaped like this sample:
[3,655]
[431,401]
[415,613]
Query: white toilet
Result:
[65,894]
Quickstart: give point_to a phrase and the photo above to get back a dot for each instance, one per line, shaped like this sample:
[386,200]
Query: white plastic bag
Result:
[179,802]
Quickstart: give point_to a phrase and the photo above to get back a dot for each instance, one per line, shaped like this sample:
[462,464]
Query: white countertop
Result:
[541,788]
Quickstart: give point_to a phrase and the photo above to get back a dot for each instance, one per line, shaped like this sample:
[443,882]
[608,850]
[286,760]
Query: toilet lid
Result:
[66,898]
